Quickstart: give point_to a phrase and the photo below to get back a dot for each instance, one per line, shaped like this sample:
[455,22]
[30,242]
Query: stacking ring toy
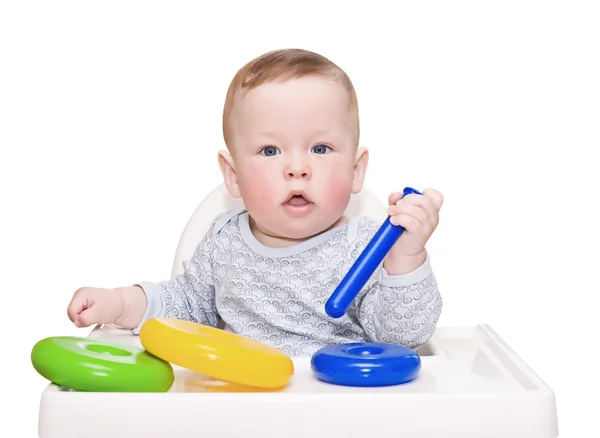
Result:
[364,266]
[216,353]
[85,364]
[366,364]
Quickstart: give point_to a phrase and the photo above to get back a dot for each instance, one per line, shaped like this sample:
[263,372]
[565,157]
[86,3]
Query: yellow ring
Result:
[216,353]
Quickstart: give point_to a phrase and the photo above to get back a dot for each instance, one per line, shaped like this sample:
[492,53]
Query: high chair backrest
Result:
[219,201]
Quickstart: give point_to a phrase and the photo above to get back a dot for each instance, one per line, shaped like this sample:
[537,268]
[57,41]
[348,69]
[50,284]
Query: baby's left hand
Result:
[419,215]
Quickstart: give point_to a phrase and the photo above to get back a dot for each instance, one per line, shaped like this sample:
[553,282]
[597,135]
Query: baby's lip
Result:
[297,193]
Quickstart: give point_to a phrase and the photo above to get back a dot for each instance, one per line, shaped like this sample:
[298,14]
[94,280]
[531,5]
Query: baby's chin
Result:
[302,230]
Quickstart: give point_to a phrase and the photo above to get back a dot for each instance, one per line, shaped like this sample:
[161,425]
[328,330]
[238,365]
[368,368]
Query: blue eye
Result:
[269,151]
[321,149]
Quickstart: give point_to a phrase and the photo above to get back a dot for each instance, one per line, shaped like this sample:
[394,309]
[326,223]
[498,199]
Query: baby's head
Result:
[291,127]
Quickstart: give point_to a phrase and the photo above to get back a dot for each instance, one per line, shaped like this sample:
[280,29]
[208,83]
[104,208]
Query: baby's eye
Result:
[269,151]
[321,149]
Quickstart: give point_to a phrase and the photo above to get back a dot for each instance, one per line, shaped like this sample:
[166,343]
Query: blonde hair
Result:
[284,64]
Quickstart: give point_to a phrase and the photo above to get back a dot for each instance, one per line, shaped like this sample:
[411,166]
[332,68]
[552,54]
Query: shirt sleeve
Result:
[399,309]
[191,295]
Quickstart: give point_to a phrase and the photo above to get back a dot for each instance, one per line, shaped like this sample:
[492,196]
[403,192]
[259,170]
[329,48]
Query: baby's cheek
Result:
[257,189]
[338,186]
[256,201]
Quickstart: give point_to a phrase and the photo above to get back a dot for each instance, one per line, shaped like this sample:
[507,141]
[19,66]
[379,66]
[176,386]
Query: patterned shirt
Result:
[277,295]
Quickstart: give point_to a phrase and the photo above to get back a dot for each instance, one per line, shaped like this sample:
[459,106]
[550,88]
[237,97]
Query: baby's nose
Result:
[297,170]
[294,174]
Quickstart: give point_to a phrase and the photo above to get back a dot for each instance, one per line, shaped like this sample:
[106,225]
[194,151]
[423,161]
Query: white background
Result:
[110,122]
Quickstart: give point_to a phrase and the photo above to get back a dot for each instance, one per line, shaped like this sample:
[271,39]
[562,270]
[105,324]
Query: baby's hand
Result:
[91,305]
[419,215]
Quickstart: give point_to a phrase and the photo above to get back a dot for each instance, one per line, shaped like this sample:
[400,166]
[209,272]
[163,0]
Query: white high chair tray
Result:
[471,384]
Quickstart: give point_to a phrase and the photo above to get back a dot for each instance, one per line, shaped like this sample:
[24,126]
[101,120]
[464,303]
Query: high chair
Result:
[471,384]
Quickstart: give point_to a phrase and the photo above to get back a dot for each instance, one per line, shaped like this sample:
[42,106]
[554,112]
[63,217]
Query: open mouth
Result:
[298,199]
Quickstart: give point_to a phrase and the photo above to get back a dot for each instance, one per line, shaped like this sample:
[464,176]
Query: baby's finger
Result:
[78,303]
[88,317]
[415,211]
[394,197]
[426,203]
[435,196]
[409,223]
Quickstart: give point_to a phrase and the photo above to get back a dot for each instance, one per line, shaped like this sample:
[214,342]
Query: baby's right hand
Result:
[91,305]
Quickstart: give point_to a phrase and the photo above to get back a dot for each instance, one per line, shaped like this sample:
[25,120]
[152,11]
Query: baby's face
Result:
[294,145]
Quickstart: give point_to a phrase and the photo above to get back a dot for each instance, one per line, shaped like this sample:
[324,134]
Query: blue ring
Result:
[366,364]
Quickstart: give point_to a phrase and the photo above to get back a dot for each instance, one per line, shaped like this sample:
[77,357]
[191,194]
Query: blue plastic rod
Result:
[364,266]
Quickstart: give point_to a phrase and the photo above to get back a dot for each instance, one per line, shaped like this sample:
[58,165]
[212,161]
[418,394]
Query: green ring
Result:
[85,364]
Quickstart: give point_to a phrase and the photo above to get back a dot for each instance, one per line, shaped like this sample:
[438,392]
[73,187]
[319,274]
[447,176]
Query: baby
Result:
[291,128]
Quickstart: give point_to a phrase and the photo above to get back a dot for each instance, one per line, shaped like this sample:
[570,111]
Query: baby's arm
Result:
[401,309]
[189,296]
[396,308]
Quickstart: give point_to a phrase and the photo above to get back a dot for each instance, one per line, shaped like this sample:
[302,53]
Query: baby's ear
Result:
[229,174]
[361,162]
